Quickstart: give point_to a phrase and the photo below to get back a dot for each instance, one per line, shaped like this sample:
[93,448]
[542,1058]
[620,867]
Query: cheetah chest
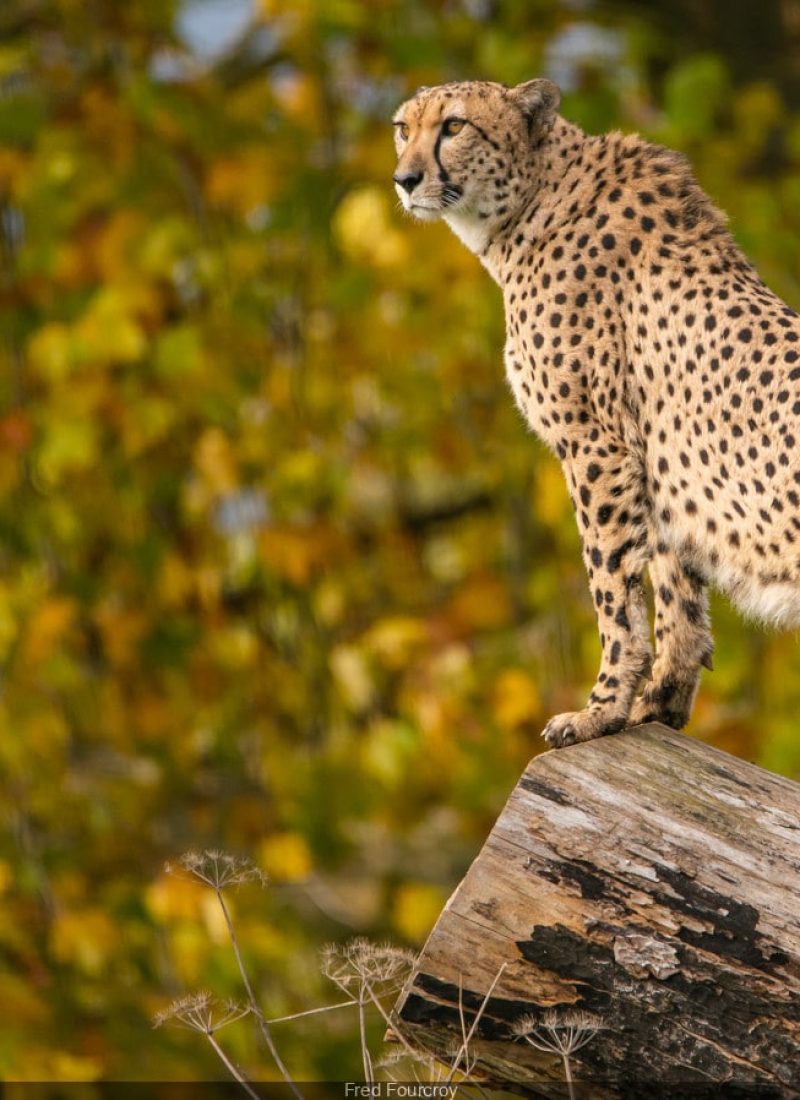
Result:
[548,385]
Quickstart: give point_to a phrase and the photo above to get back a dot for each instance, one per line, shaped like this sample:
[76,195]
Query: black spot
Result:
[616,556]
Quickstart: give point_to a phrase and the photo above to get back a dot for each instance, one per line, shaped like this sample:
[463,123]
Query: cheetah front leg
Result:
[612,512]
[683,642]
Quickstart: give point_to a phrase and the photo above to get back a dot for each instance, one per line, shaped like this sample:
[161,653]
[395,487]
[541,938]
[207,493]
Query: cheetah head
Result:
[465,150]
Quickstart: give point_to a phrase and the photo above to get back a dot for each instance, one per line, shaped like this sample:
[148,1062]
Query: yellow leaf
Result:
[298,552]
[352,675]
[285,857]
[178,352]
[417,906]
[188,951]
[45,1064]
[242,182]
[174,897]
[395,639]
[115,243]
[480,603]
[235,646]
[364,230]
[50,350]
[214,919]
[47,627]
[214,459]
[168,241]
[22,1001]
[552,500]
[86,938]
[122,629]
[68,445]
[301,469]
[74,1067]
[108,331]
[386,751]
[515,699]
[175,580]
[146,422]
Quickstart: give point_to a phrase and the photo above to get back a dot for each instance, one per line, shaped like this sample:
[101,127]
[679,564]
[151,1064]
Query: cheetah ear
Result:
[539,100]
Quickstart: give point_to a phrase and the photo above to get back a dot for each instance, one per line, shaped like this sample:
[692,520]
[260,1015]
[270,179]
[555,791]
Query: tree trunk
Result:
[650,881]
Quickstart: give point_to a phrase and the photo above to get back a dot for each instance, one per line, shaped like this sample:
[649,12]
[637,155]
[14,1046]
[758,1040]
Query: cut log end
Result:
[649,882]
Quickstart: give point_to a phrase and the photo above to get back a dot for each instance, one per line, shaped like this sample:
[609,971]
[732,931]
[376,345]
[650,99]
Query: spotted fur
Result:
[642,346]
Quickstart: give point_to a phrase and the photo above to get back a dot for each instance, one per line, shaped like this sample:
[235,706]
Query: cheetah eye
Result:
[402,129]
[451,126]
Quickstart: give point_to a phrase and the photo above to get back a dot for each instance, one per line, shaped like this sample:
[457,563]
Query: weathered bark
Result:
[651,881]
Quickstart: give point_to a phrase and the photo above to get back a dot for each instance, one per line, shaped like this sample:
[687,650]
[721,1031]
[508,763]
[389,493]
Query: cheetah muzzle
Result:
[644,349]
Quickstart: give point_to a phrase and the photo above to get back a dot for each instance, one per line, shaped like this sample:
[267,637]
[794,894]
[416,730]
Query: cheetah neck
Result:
[538,189]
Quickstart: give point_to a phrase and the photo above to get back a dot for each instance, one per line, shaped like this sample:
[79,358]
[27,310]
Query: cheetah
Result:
[645,351]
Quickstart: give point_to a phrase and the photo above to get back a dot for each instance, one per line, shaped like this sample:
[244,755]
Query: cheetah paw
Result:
[580,725]
[670,704]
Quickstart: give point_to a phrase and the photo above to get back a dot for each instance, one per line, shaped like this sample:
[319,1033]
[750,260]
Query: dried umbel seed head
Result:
[218,869]
[201,1012]
[360,963]
[558,1032]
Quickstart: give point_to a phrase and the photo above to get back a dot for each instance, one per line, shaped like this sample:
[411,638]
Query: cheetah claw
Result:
[583,725]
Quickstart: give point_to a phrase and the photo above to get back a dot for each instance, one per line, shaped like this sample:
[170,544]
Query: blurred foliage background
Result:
[282,570]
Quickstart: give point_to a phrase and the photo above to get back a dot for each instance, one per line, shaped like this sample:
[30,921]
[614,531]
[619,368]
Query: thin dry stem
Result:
[262,1023]
[311,1012]
[463,1049]
[365,1056]
[234,1072]
[390,1020]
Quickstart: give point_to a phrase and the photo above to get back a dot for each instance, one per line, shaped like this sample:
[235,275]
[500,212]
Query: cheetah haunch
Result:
[644,349]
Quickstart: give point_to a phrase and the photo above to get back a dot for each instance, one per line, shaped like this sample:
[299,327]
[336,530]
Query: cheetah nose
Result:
[407,180]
